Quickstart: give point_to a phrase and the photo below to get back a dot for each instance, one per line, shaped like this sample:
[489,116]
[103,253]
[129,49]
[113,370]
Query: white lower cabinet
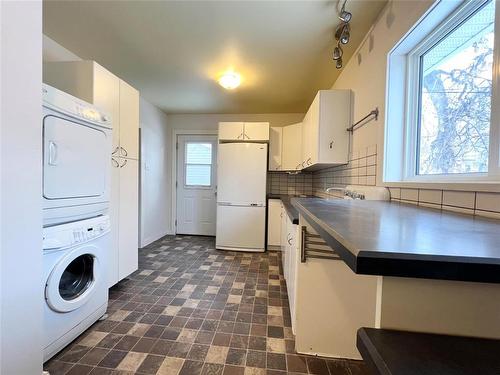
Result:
[274,224]
[290,241]
[330,303]
[124,218]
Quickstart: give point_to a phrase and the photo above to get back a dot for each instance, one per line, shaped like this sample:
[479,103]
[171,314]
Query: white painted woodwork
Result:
[106,95]
[114,214]
[128,218]
[196,205]
[292,147]
[129,121]
[244,131]
[231,131]
[91,82]
[324,136]
[274,223]
[293,260]
[283,242]
[275,148]
[331,303]
[256,131]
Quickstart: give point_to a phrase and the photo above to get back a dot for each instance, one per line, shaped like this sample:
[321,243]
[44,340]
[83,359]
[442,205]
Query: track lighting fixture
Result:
[344,15]
[342,35]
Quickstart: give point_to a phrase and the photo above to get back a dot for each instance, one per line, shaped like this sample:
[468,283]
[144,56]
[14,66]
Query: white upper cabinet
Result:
[275,148]
[129,121]
[292,147]
[91,82]
[231,131]
[256,131]
[325,140]
[244,131]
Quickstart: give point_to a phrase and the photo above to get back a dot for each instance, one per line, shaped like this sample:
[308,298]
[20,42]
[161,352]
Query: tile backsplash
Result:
[361,170]
[467,202]
[291,184]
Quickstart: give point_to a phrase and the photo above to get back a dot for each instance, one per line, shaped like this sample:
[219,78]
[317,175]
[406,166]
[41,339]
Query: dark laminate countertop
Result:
[391,239]
[390,352]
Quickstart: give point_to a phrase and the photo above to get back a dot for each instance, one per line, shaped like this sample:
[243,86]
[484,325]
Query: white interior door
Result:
[196,184]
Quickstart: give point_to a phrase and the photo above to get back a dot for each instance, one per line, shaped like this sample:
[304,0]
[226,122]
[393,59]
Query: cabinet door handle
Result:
[116,150]
[309,161]
[290,241]
[238,137]
[331,144]
[124,163]
[245,135]
[115,163]
[303,164]
[124,152]
[52,153]
[303,244]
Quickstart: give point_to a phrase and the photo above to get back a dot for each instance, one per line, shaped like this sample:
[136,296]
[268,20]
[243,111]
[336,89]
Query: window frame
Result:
[412,100]
[211,165]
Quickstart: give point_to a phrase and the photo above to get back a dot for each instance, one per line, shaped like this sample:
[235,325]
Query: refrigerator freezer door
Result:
[241,173]
[240,228]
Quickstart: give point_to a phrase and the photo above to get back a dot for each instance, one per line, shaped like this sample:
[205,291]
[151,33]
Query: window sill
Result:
[486,186]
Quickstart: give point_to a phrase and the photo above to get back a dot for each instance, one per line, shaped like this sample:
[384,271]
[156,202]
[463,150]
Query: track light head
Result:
[337,53]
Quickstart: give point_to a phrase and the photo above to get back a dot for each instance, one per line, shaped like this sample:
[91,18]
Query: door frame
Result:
[175,135]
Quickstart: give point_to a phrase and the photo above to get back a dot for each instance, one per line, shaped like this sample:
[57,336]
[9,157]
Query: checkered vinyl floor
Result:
[191,310]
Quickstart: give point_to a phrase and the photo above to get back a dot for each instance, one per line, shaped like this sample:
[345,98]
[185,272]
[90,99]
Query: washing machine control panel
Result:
[70,234]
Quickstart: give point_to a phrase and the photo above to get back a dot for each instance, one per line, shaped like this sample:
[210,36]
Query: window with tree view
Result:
[454,101]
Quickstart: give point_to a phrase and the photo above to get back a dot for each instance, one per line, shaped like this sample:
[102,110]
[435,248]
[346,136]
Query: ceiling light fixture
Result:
[230,80]
[342,35]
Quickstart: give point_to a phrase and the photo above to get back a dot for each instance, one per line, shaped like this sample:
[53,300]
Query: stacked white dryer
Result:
[76,236]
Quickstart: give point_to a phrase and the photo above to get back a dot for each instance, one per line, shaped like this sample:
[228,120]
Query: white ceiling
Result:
[174,51]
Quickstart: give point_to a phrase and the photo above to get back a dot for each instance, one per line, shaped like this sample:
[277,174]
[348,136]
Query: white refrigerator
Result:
[241,196]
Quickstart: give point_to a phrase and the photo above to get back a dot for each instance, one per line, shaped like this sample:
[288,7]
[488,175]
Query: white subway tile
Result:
[459,210]
[429,205]
[463,199]
[409,194]
[430,196]
[488,202]
[488,214]
[395,193]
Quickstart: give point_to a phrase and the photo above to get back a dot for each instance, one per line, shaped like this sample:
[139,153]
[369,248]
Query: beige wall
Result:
[365,73]
[155,207]
[210,122]
[405,303]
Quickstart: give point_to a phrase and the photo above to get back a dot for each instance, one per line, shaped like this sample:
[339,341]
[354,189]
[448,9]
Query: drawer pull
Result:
[309,247]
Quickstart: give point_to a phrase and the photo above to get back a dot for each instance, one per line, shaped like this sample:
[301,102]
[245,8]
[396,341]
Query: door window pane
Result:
[198,175]
[198,166]
[455,98]
[198,153]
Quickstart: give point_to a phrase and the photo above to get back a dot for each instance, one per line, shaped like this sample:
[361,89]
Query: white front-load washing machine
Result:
[75,258]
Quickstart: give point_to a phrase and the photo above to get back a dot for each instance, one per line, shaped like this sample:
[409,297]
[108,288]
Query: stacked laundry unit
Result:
[77,140]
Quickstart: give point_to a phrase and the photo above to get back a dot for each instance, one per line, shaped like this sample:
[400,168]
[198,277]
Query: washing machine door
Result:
[73,280]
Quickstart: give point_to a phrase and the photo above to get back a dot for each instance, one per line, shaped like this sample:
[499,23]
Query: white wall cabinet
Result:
[275,148]
[91,82]
[274,224]
[244,131]
[325,141]
[292,147]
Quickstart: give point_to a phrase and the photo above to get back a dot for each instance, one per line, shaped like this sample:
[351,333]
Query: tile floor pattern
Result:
[192,310]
